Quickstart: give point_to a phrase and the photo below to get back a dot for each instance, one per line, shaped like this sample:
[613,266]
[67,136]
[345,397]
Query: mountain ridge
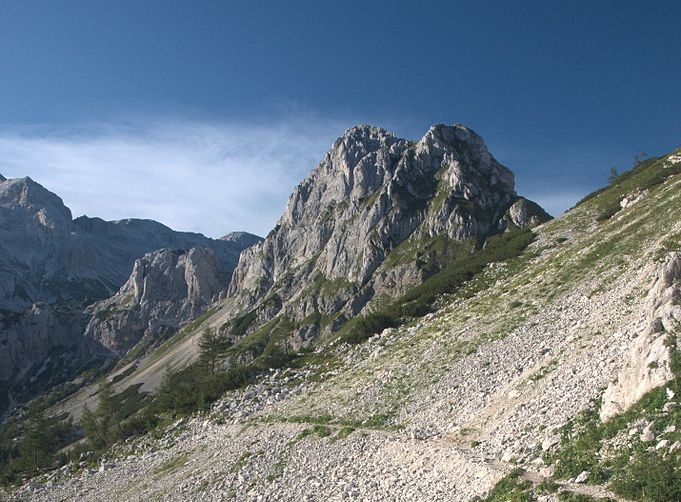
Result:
[53,266]
[368,223]
[370,194]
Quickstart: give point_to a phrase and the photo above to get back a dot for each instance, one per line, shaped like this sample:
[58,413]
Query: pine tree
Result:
[614,175]
[106,412]
[211,347]
[37,445]
[90,425]
[640,158]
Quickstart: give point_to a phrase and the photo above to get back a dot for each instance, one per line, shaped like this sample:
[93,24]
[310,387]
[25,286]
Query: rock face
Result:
[525,213]
[49,257]
[166,289]
[52,266]
[373,198]
[648,363]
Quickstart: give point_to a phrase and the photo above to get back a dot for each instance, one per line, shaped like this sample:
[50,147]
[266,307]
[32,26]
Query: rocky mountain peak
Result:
[243,239]
[371,193]
[31,199]
[64,265]
[459,146]
[2,178]
[359,140]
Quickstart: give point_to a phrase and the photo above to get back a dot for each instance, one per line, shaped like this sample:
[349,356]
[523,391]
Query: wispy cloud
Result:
[199,176]
[216,177]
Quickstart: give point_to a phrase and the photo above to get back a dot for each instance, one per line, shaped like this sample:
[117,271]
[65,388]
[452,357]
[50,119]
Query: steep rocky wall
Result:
[166,288]
[372,193]
[52,267]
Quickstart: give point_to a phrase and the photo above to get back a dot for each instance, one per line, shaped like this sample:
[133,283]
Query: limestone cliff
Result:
[166,289]
[372,201]
[52,267]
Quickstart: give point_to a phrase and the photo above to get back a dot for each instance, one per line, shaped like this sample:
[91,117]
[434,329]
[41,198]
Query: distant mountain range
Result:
[52,267]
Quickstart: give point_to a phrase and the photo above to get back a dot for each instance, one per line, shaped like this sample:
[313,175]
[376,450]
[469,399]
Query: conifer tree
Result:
[211,347]
[90,425]
[614,175]
[36,447]
[108,417]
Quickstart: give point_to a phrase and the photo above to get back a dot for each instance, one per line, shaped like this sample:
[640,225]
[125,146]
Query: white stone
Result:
[582,478]
[647,436]
[550,442]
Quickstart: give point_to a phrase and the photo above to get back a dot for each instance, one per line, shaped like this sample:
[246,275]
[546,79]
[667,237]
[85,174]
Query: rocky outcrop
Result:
[52,267]
[525,213]
[648,364]
[372,199]
[166,289]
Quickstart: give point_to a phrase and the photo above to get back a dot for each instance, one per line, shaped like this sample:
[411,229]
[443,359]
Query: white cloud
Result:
[217,177]
[206,177]
[555,203]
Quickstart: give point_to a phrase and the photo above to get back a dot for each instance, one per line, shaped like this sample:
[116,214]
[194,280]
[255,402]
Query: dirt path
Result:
[595,491]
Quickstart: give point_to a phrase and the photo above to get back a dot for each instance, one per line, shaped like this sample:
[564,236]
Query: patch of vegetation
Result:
[548,486]
[193,388]
[430,255]
[636,470]
[511,488]
[242,461]
[671,243]
[650,477]
[420,300]
[371,199]
[378,421]
[322,285]
[171,465]
[114,419]
[277,471]
[610,210]
[266,347]
[343,432]
[240,325]
[543,371]
[645,174]
[318,430]
[31,444]
[566,496]
[117,378]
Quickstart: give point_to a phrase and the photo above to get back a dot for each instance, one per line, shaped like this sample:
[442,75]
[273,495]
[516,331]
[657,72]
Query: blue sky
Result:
[204,115]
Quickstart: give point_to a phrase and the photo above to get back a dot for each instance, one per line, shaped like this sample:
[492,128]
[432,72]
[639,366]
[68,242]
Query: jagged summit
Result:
[373,196]
[35,201]
[2,178]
